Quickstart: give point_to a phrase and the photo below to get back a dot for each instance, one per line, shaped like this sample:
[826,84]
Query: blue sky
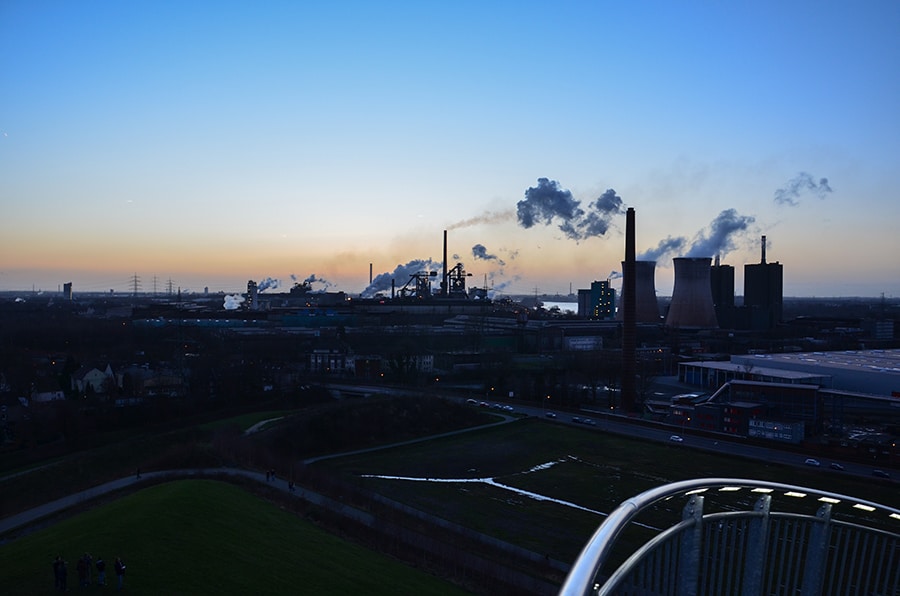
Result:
[210,143]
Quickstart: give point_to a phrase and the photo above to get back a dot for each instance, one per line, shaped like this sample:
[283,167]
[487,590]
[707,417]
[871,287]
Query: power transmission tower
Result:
[135,284]
[155,279]
[169,285]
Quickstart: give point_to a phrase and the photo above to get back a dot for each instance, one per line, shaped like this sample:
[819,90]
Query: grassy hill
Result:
[207,537]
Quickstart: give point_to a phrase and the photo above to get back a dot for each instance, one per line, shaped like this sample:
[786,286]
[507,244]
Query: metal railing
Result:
[747,548]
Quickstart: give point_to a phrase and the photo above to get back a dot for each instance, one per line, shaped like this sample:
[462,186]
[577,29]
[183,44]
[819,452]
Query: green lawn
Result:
[206,537]
[590,468]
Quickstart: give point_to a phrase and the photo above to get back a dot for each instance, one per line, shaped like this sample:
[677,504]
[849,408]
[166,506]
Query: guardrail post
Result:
[691,541]
[816,549]
[757,545]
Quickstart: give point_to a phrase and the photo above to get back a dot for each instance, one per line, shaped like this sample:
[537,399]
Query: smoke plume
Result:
[719,238]
[615,274]
[667,246]
[498,287]
[488,217]
[789,194]
[313,279]
[268,283]
[548,201]
[401,274]
[233,302]
[480,252]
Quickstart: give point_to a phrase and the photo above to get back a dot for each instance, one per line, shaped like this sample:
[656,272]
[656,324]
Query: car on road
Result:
[550,415]
[836,466]
[576,419]
[812,462]
[880,474]
[588,421]
[472,402]
[676,439]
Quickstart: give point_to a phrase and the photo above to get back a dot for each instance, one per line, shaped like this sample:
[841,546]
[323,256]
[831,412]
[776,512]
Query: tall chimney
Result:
[444,280]
[646,307]
[763,262]
[629,330]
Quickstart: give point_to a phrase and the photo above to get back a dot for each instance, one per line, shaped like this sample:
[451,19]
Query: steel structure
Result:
[820,543]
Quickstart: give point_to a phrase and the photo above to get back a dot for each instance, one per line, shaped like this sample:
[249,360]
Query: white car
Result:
[676,439]
[812,462]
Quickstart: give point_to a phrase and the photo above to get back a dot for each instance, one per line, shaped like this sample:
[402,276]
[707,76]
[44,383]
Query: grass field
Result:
[206,537]
[241,542]
[589,468]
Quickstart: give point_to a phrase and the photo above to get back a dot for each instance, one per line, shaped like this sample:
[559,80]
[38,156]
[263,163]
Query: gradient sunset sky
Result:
[211,143]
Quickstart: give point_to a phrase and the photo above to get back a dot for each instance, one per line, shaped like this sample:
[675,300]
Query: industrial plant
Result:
[629,352]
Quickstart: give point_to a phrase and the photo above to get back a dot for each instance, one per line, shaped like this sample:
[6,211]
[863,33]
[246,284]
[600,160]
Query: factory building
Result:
[874,372]
[598,303]
[830,391]
[763,290]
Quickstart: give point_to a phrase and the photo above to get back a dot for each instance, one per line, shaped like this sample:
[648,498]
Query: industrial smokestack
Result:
[692,302]
[629,327]
[370,274]
[646,308]
[444,280]
[763,261]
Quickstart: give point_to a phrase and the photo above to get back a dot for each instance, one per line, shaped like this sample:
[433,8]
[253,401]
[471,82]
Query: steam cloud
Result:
[667,246]
[268,283]
[402,274]
[789,194]
[313,279]
[722,231]
[547,201]
[719,239]
[480,252]
[498,288]
[616,274]
[233,302]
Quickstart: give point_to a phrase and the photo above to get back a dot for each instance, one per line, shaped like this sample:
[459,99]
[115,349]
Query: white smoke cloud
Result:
[233,302]
[268,283]
[400,275]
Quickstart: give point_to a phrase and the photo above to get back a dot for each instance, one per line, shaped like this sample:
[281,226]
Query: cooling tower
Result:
[692,303]
[646,306]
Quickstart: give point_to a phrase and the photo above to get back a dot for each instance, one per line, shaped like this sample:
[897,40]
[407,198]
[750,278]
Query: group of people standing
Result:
[84,568]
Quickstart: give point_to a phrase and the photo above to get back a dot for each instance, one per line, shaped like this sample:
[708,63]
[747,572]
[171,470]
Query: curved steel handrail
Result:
[580,579]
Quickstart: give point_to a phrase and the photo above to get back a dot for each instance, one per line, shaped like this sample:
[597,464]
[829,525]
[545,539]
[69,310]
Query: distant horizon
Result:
[546,297]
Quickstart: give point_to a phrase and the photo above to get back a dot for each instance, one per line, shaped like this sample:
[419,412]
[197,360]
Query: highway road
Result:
[607,421]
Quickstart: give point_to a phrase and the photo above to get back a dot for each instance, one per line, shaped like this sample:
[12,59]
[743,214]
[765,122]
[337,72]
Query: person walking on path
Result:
[120,573]
[101,571]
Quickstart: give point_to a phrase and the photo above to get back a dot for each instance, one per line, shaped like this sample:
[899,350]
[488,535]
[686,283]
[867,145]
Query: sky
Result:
[204,144]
